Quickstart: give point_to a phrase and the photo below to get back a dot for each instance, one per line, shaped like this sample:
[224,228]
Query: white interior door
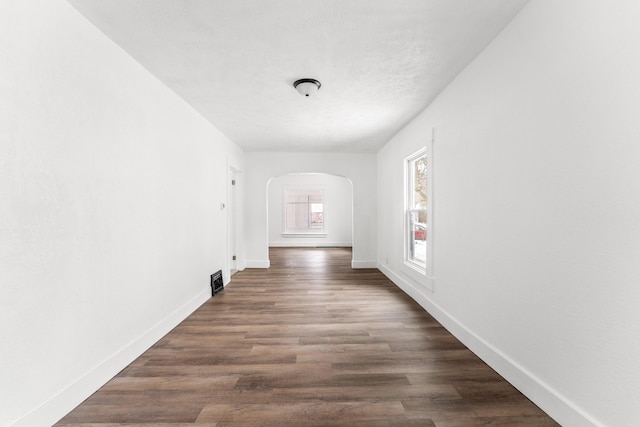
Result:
[232,223]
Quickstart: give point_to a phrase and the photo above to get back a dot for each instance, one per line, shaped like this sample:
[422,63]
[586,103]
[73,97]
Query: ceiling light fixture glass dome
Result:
[307,87]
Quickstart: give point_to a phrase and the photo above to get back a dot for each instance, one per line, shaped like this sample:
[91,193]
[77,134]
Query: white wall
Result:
[360,169]
[110,219]
[537,200]
[338,195]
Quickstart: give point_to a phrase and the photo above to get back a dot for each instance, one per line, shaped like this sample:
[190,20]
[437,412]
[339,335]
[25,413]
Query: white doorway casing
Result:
[232,222]
[359,168]
[235,231]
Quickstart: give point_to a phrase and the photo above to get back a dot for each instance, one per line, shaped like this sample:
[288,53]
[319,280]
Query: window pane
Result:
[316,207]
[304,211]
[418,236]
[317,218]
[420,183]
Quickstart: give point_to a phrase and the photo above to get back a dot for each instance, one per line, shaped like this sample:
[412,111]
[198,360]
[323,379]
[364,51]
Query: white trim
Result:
[363,264]
[62,403]
[250,263]
[418,275]
[548,399]
[405,282]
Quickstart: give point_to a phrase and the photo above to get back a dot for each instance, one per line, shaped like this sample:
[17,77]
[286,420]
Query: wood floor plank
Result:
[311,342]
[292,413]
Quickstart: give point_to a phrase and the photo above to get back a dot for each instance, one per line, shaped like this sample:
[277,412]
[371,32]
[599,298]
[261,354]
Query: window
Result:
[417,226]
[304,211]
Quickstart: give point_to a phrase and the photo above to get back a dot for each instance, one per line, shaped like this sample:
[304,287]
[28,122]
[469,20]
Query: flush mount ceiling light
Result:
[306,87]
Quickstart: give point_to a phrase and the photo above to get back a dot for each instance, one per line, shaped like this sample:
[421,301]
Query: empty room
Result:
[355,213]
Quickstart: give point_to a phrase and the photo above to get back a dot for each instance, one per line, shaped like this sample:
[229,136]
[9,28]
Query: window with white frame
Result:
[418,199]
[303,211]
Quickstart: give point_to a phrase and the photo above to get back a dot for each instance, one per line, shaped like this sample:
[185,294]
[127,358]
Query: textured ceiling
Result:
[380,62]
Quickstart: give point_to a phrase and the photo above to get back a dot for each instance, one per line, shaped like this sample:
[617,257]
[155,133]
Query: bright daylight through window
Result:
[416,221]
[304,211]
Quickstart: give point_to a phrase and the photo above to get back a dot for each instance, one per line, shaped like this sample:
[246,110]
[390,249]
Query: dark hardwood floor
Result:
[308,342]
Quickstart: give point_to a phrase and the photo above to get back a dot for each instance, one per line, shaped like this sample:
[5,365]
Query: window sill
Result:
[418,274]
[304,235]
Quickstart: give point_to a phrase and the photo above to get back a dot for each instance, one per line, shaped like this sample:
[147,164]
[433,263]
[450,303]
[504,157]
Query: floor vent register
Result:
[216,282]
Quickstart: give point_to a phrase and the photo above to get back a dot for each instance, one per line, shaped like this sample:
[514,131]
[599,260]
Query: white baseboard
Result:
[548,399]
[67,399]
[257,263]
[303,244]
[363,264]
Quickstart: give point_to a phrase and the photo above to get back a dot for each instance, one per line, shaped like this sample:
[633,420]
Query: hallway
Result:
[309,341]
